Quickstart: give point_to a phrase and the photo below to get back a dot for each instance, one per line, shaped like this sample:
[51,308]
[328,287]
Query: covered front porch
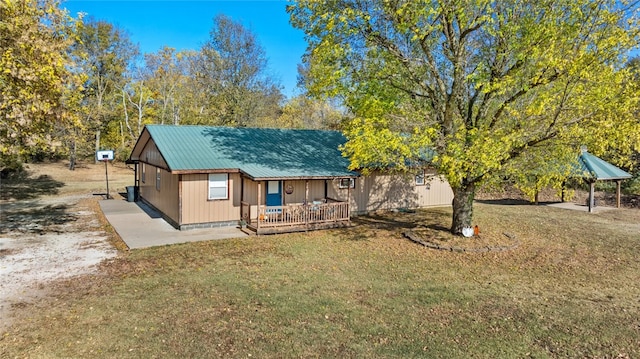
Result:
[292,205]
[296,217]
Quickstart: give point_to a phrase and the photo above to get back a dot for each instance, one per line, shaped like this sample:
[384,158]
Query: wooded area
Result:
[70,86]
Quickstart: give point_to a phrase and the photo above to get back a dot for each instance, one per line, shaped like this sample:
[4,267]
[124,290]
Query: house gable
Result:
[151,155]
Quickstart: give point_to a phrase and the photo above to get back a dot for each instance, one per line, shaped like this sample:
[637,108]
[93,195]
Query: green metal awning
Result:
[599,169]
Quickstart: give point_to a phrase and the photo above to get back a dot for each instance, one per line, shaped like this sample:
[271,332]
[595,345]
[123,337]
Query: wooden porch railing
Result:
[299,215]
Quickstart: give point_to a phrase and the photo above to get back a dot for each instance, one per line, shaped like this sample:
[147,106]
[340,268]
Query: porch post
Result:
[242,198]
[349,200]
[618,183]
[326,190]
[306,191]
[306,203]
[136,182]
[258,214]
[592,190]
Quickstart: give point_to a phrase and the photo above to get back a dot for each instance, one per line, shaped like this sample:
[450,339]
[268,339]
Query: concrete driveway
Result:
[141,227]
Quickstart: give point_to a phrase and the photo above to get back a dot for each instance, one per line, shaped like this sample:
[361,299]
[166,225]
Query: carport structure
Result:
[596,169]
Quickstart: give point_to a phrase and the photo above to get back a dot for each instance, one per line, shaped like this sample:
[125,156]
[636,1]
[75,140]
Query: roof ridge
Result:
[157,125]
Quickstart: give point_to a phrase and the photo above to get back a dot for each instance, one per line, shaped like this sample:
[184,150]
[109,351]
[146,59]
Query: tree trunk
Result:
[72,156]
[462,207]
[97,144]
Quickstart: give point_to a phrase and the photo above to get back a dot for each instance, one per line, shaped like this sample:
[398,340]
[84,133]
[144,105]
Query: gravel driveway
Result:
[43,240]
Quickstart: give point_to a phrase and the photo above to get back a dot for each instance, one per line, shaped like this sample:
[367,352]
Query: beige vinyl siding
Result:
[250,195]
[380,191]
[166,199]
[198,208]
[251,192]
[151,155]
[436,192]
[316,191]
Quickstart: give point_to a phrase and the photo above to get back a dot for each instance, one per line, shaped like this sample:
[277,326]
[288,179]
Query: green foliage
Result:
[37,81]
[304,112]
[231,72]
[10,165]
[103,52]
[497,89]
[632,186]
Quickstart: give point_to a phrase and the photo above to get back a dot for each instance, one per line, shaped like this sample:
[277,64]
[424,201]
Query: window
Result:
[347,183]
[143,173]
[157,178]
[273,187]
[420,178]
[218,186]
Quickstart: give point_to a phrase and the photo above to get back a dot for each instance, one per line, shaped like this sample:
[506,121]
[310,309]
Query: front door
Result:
[274,193]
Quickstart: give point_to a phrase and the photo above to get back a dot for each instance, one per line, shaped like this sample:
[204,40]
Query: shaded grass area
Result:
[23,185]
[570,290]
[38,220]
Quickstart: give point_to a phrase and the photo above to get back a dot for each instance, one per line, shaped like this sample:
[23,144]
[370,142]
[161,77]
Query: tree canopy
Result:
[38,87]
[497,88]
[233,73]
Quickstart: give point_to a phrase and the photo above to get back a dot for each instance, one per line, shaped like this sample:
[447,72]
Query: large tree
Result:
[37,83]
[233,75]
[165,75]
[495,88]
[103,52]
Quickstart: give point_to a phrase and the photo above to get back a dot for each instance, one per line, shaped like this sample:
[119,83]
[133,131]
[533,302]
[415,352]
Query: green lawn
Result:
[571,289]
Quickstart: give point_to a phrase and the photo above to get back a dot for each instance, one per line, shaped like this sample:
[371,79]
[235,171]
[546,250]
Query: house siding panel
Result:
[196,206]
[316,191]
[251,192]
[380,191]
[151,155]
[166,199]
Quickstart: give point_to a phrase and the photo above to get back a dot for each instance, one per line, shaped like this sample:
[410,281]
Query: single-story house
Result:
[274,180]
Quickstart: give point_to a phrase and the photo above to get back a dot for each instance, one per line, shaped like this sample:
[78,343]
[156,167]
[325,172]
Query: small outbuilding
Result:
[595,169]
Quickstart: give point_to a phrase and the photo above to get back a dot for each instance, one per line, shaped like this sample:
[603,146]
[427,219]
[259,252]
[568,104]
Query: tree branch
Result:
[521,93]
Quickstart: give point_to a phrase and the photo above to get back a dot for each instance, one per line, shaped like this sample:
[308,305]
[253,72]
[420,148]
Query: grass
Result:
[571,289]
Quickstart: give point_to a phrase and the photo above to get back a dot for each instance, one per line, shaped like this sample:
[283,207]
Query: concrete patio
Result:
[579,207]
[140,226]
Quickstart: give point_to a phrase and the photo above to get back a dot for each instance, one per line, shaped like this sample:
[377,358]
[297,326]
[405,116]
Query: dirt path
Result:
[49,230]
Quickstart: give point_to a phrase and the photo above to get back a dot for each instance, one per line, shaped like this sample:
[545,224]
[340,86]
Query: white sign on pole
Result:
[104,155]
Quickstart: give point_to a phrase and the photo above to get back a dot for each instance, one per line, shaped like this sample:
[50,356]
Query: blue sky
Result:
[184,25]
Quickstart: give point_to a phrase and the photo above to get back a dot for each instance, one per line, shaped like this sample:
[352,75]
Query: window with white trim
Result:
[420,178]
[347,183]
[218,186]
[143,173]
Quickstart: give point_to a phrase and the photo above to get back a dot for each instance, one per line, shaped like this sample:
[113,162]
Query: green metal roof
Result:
[258,152]
[600,169]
